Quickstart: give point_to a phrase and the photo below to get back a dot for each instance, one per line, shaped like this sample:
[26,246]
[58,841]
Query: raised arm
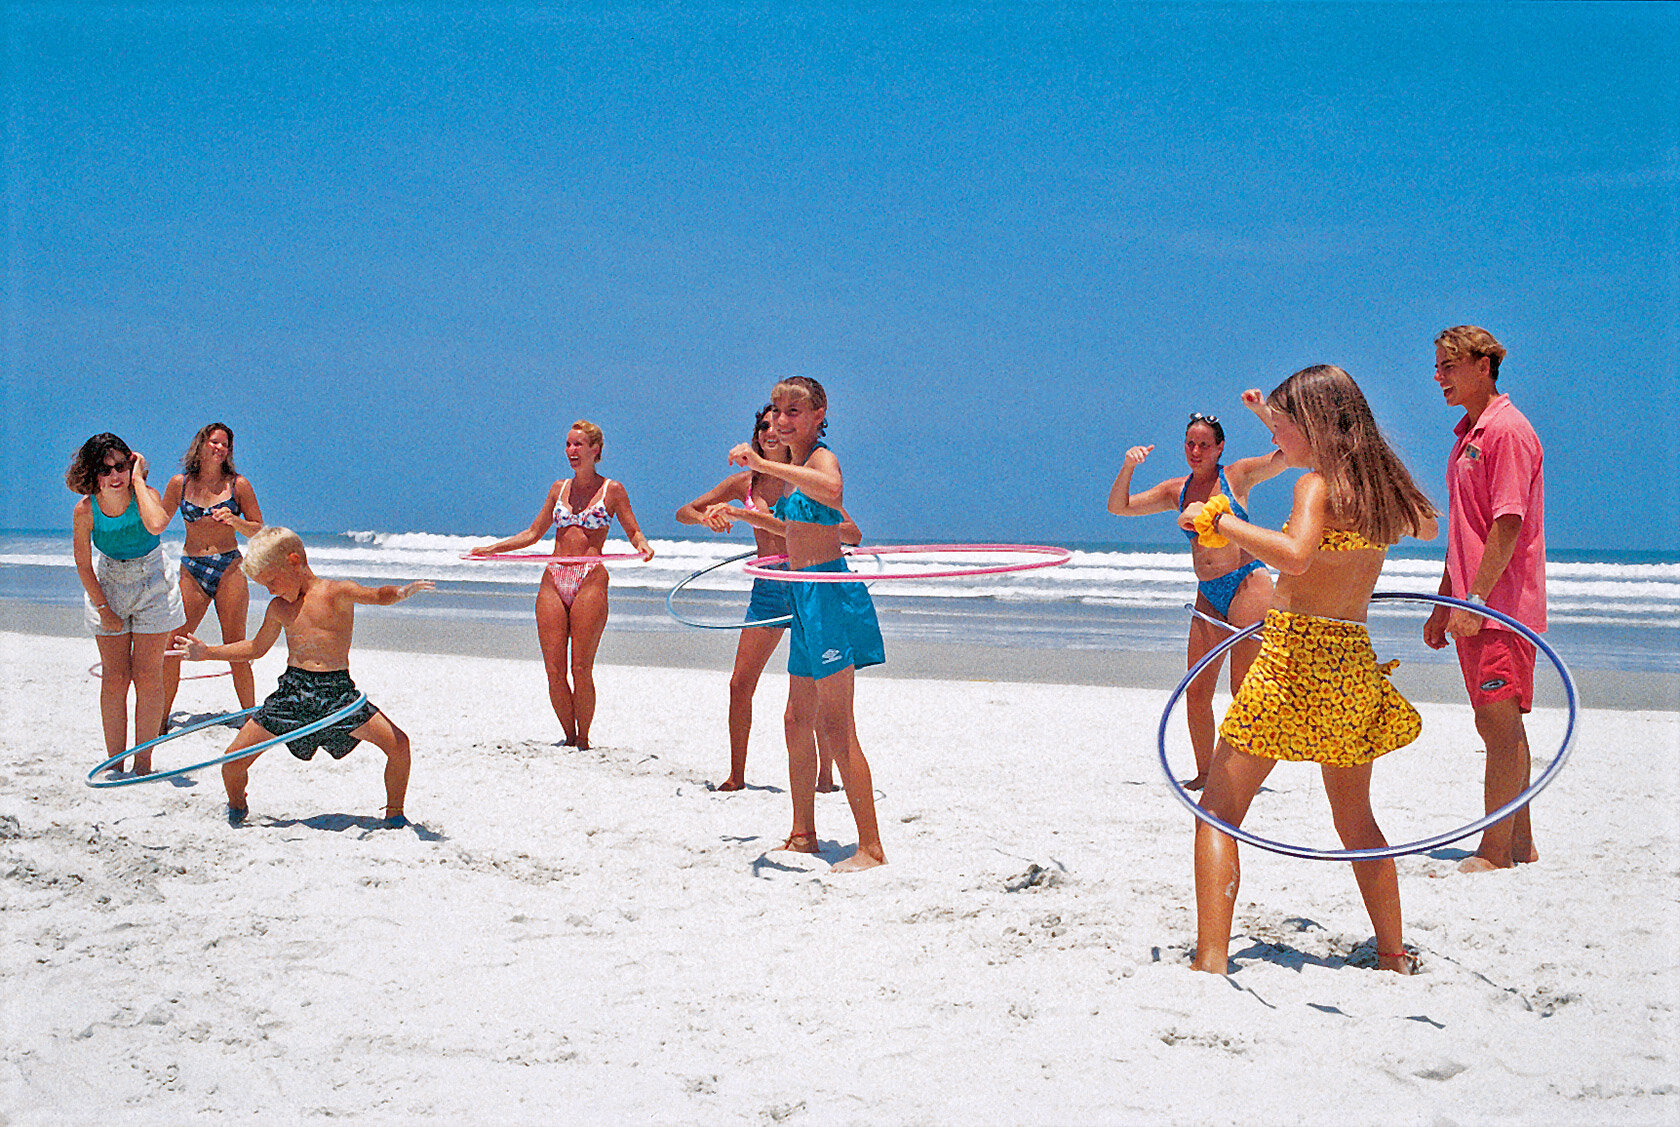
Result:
[1156,499]
[618,504]
[383,596]
[1290,552]
[539,525]
[819,478]
[152,513]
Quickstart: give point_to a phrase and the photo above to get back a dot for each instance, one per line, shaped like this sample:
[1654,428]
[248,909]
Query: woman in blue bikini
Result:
[215,502]
[1232,586]
[572,597]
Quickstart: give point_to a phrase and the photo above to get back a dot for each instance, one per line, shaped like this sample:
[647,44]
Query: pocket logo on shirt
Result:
[1474,453]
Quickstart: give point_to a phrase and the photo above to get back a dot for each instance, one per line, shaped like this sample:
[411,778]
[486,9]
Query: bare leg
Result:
[837,729]
[1248,606]
[393,741]
[752,654]
[799,724]
[233,600]
[1234,779]
[146,668]
[237,774]
[589,621]
[1349,792]
[1506,843]
[1198,698]
[114,679]
[195,602]
[554,636]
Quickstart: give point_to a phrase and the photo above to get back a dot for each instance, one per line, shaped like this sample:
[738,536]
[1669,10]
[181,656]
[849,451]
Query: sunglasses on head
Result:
[1198,417]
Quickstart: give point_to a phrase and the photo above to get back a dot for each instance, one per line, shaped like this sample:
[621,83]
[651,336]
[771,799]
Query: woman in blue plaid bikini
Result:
[215,502]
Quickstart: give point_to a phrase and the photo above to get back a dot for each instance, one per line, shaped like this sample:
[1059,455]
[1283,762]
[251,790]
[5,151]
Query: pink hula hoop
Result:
[760,568]
[532,557]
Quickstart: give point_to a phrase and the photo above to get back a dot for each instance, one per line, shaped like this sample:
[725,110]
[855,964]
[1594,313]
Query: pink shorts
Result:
[1497,665]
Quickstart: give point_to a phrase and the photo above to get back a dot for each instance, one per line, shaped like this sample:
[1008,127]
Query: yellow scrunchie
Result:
[1215,506]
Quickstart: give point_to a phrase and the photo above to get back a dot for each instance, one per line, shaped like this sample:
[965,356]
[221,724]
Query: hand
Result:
[187,648]
[109,621]
[1187,519]
[1136,455]
[647,551]
[415,588]
[482,550]
[223,515]
[1256,402]
[139,466]
[1463,624]
[1435,628]
[718,518]
[746,457]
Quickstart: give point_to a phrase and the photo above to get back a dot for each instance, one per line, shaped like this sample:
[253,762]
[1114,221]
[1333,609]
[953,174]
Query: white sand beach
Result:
[567,936]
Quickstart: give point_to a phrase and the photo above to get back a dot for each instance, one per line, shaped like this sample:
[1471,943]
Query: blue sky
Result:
[401,247]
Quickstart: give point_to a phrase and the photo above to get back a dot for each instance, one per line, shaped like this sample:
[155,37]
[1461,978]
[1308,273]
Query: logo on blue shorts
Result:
[831,656]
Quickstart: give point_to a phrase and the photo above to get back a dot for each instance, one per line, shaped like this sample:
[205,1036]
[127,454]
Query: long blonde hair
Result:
[1371,490]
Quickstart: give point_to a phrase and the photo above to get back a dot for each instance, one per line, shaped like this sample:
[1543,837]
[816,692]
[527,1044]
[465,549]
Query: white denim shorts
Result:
[145,593]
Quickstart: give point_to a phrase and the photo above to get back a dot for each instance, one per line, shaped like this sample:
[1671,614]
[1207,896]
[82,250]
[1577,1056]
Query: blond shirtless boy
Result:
[317,616]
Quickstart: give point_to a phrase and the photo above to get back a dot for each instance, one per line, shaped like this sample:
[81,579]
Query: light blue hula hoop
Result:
[784,620]
[1422,844]
[242,753]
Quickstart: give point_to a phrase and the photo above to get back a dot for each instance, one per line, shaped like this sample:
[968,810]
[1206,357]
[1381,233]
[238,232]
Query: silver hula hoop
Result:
[242,753]
[1422,844]
[784,620]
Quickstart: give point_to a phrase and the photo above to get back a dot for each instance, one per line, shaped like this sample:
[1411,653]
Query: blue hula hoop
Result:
[1388,851]
[784,620]
[242,753]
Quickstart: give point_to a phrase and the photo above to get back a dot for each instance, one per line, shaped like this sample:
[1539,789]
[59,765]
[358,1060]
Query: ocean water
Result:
[1607,611]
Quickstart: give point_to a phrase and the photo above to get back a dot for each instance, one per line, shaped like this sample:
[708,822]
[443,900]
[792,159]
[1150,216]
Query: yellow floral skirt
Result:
[1316,693]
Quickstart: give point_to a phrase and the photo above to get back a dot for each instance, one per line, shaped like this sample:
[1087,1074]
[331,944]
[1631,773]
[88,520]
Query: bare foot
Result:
[860,860]
[798,843]
[731,784]
[1525,856]
[1209,967]
[1197,783]
[143,764]
[1476,863]
[828,787]
[1403,963]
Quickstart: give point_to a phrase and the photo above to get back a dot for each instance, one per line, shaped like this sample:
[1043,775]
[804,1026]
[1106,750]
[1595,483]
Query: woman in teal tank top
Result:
[132,603]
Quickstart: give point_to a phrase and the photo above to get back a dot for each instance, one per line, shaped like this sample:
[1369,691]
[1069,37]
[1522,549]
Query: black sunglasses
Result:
[1198,417]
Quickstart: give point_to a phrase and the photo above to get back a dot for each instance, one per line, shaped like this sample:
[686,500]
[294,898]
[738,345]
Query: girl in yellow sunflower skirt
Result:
[1315,693]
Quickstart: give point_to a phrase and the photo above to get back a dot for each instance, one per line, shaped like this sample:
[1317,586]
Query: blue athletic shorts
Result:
[834,627]
[771,599]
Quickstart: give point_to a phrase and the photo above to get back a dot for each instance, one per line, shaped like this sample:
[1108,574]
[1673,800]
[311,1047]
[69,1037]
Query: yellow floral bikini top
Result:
[1341,540]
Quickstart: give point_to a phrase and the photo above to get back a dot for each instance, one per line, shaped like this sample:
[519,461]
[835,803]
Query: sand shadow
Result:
[1283,955]
[1446,853]
[367,823]
[713,788]
[827,852]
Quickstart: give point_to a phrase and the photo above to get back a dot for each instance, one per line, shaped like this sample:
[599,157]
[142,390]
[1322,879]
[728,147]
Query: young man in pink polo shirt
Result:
[1496,556]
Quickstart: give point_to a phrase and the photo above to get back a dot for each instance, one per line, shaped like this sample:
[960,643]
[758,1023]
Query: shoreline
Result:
[414,631]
